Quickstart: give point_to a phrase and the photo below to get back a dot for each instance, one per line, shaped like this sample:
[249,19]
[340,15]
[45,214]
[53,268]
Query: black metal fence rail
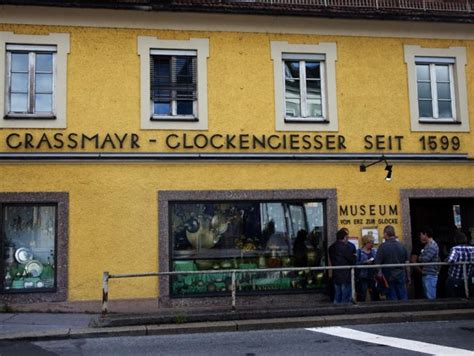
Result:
[423,5]
[107,276]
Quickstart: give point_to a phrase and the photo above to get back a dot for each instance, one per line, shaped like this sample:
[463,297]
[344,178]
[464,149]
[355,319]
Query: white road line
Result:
[405,344]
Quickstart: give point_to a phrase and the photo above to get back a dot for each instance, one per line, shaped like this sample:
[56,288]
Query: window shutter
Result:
[173,78]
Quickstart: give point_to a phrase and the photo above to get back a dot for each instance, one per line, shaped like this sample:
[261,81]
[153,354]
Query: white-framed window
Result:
[33,80]
[173,85]
[305,86]
[437,88]
[173,82]
[30,81]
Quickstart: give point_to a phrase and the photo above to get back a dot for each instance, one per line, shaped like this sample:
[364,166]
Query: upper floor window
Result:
[305,86]
[437,88]
[33,88]
[30,81]
[173,83]
[435,85]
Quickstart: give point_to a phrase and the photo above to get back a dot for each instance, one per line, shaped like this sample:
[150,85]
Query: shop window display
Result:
[29,234]
[246,235]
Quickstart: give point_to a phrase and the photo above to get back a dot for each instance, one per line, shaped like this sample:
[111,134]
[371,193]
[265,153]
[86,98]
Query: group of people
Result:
[393,281]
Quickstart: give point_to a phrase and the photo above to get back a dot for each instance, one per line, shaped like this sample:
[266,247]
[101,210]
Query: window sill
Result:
[29,117]
[439,121]
[306,121]
[174,118]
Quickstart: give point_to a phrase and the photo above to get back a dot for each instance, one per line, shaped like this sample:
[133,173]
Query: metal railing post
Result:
[353,286]
[105,293]
[233,290]
[466,280]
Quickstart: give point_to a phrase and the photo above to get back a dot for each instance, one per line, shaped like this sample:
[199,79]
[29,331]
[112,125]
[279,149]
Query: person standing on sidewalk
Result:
[366,276]
[342,253]
[462,252]
[393,252]
[430,253]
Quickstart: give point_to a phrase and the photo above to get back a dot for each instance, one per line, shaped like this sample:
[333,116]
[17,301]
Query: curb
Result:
[242,325]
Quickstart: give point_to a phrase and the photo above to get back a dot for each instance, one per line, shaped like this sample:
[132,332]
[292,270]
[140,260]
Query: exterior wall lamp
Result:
[388,168]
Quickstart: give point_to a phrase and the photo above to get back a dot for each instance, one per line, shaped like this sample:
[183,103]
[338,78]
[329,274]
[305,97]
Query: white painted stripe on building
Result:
[399,343]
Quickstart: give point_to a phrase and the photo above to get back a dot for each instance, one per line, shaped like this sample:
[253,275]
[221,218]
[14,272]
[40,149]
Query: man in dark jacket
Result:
[393,252]
[342,253]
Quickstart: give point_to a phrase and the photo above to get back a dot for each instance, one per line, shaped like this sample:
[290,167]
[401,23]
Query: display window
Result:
[29,247]
[246,235]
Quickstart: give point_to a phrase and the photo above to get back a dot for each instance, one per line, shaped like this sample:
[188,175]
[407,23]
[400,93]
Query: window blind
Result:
[173,78]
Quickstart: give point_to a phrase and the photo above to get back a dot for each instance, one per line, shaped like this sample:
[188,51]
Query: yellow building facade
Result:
[118,180]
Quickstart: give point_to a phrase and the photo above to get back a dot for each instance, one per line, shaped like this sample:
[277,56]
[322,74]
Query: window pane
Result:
[422,72]
[292,69]
[44,83]
[19,83]
[44,63]
[163,65]
[29,260]
[43,103]
[313,70]
[313,89]
[444,108]
[442,73]
[425,108]
[444,91]
[19,103]
[424,90]
[19,62]
[162,108]
[184,72]
[246,235]
[184,107]
[183,66]
[292,89]
[293,108]
[315,108]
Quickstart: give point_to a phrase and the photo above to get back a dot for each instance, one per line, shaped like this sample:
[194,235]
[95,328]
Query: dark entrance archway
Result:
[444,211]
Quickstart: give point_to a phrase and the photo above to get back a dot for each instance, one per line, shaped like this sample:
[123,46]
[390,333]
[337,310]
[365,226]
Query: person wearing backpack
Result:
[366,276]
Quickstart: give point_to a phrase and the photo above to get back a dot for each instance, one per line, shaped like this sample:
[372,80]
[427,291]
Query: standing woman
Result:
[366,276]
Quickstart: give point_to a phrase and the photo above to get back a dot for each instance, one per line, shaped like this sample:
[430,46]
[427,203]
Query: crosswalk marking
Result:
[405,344]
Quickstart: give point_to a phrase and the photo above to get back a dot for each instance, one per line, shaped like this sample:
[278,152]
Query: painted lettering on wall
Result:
[368,214]
[223,142]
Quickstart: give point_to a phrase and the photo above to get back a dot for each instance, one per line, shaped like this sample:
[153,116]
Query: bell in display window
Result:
[29,247]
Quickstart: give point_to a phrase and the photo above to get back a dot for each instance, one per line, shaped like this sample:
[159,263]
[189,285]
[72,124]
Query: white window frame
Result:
[147,46]
[174,105]
[456,58]
[432,62]
[280,51]
[32,51]
[55,119]
[302,58]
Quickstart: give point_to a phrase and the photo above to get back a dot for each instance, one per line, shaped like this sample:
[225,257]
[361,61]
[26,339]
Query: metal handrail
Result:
[107,276]
[425,5]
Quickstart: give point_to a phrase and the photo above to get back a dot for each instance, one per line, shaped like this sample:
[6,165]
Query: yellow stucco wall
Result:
[113,210]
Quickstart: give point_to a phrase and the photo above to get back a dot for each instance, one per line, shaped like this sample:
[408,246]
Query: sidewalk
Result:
[47,326]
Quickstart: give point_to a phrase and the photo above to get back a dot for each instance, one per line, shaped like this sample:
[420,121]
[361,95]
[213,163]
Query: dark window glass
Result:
[292,69]
[185,107]
[246,235]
